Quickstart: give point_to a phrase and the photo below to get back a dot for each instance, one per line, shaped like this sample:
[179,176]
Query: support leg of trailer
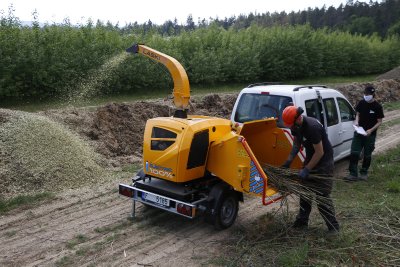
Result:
[133,209]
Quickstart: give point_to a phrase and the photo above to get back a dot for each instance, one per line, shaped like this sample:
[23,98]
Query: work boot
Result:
[333,230]
[332,233]
[299,224]
[364,177]
[351,178]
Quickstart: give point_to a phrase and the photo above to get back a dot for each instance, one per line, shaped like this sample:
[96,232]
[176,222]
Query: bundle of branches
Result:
[287,181]
[385,235]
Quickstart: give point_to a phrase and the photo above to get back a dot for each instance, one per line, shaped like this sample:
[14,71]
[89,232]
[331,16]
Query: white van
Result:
[328,105]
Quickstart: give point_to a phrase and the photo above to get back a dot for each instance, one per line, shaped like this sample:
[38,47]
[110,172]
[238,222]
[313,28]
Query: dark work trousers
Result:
[359,143]
[321,189]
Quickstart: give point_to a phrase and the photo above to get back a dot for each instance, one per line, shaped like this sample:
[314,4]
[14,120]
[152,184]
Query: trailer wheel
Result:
[226,210]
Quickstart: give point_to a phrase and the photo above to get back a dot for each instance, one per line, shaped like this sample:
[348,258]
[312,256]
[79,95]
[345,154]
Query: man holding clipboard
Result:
[368,118]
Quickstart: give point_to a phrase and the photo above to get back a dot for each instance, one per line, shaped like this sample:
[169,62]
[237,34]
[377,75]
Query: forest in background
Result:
[49,61]
[381,18]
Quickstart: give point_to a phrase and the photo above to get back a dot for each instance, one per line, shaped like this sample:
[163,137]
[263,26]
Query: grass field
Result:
[369,214]
[391,106]
[25,201]
[38,105]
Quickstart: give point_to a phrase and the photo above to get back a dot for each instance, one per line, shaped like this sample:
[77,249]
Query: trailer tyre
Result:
[226,210]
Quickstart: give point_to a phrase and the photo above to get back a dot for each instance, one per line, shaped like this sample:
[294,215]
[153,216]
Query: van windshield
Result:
[260,106]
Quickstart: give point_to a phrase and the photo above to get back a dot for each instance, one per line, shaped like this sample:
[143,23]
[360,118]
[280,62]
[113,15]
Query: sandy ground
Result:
[91,227]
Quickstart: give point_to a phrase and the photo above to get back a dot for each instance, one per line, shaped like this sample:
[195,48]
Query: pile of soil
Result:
[116,130]
[119,128]
[386,91]
[218,105]
[392,74]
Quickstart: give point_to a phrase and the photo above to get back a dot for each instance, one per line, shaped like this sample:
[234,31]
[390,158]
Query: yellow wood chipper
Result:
[198,165]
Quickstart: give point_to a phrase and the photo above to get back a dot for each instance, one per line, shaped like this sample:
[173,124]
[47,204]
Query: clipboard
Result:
[360,130]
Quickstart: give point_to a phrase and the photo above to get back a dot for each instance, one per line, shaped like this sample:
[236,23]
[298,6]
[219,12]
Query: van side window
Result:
[331,111]
[346,110]
[314,109]
[259,106]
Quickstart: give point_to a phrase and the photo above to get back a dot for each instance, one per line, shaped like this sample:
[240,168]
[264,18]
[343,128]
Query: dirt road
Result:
[90,227]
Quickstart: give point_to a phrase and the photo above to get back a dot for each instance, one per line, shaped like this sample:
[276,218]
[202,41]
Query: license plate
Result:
[156,199]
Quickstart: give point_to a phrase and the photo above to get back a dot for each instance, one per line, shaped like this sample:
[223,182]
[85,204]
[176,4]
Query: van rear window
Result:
[259,106]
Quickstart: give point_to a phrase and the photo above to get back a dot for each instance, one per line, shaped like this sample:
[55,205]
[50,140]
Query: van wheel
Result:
[226,210]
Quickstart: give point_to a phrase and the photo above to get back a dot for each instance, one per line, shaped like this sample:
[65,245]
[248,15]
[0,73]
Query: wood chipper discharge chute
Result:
[201,165]
[181,90]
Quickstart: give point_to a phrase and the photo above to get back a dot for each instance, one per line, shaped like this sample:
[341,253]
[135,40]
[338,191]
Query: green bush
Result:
[55,60]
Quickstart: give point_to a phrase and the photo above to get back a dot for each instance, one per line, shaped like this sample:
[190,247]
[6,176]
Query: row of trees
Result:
[37,61]
[356,17]
[54,60]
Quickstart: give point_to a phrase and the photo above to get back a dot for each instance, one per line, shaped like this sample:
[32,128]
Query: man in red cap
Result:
[310,133]
[369,116]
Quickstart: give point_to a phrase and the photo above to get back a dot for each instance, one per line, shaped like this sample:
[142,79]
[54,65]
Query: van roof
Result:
[279,89]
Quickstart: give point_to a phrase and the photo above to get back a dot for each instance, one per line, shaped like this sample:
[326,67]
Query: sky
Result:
[158,11]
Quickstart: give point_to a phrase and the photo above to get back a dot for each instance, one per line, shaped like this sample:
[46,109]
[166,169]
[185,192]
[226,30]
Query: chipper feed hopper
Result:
[198,165]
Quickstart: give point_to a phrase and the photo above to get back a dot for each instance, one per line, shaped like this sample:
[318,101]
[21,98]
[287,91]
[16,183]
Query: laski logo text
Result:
[159,170]
[151,54]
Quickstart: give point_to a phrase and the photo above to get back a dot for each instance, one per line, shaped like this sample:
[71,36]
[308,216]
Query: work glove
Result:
[286,165]
[303,174]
